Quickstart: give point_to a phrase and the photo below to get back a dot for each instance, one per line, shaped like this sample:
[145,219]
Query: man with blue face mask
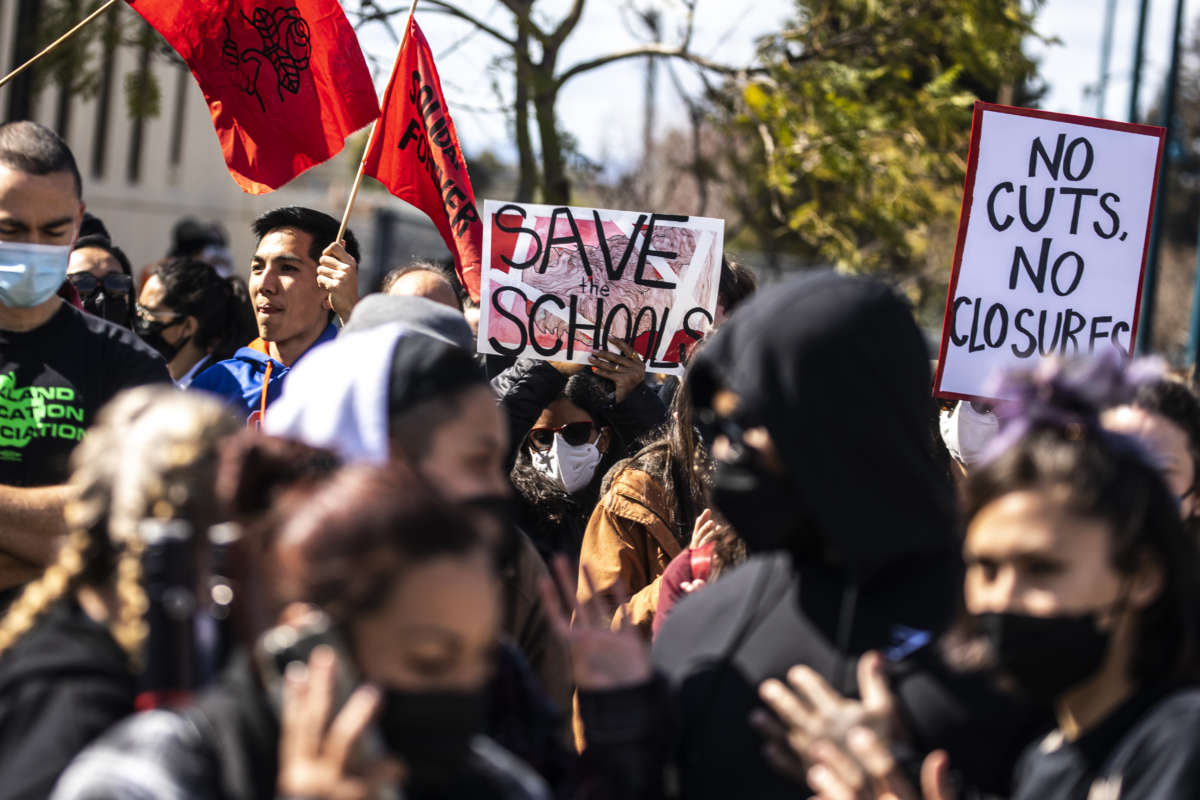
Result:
[58,365]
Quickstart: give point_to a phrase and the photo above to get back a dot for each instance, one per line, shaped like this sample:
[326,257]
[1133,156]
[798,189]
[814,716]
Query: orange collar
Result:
[260,345]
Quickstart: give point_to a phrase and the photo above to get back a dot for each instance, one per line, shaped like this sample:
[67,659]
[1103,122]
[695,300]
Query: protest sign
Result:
[558,282]
[1051,242]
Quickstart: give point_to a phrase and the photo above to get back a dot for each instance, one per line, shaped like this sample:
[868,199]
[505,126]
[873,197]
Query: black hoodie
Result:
[61,686]
[837,371]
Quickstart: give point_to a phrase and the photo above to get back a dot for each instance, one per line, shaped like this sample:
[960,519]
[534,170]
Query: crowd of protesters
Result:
[263,537]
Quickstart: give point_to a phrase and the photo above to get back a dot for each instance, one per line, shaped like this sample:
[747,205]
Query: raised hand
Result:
[337,273]
[865,768]
[808,712]
[315,761]
[626,369]
[602,656]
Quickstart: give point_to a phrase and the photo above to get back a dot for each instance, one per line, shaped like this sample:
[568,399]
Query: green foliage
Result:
[77,63]
[857,133]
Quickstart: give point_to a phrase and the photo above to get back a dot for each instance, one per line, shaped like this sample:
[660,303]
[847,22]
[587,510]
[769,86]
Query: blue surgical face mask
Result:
[30,274]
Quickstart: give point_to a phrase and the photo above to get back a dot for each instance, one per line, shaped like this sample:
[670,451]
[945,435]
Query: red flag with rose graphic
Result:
[417,156]
[285,80]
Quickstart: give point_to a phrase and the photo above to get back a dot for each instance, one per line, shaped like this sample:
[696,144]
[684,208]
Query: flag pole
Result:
[86,21]
[362,164]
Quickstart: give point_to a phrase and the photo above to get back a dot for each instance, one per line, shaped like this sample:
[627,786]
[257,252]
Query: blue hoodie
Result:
[239,380]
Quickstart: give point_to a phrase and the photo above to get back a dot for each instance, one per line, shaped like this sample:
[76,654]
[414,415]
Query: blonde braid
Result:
[57,581]
[152,452]
[130,628]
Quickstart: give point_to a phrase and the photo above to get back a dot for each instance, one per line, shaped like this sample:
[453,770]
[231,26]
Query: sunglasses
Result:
[574,433]
[88,284]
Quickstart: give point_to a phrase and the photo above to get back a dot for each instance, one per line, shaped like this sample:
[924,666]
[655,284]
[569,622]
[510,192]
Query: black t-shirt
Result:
[53,380]
[1147,749]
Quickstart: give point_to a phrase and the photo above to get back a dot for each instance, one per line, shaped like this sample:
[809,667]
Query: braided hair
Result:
[151,454]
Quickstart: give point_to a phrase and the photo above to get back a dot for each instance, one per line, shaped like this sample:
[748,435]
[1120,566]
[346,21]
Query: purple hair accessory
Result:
[1066,394]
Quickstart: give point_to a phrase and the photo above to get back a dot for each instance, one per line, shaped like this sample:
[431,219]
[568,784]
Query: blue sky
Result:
[602,109]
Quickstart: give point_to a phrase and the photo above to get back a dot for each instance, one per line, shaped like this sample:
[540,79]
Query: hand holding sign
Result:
[626,369]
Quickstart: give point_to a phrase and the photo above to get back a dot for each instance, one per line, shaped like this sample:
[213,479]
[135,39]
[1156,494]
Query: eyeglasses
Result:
[154,315]
[88,284]
[574,433]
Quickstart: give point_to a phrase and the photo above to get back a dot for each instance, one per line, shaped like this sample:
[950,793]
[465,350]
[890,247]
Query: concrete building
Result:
[140,176]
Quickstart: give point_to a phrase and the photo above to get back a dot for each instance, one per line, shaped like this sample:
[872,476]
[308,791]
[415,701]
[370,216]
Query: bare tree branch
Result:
[560,34]
[441,6]
[663,51]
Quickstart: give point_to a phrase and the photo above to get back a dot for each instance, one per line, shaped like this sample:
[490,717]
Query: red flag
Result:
[285,79]
[416,155]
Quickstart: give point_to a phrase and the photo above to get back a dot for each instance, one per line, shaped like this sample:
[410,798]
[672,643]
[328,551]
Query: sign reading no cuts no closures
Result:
[1051,242]
[558,282]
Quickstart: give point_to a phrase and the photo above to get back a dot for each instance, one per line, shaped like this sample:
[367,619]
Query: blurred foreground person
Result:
[193,317]
[848,521]
[410,592]
[1085,588]
[72,644]
[394,394]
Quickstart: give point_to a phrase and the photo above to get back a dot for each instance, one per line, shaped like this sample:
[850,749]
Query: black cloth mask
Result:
[1046,655]
[759,504]
[151,332]
[112,306]
[431,732]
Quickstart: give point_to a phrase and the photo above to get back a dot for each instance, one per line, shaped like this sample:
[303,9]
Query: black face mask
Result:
[1046,656]
[151,332]
[760,505]
[113,307]
[431,732]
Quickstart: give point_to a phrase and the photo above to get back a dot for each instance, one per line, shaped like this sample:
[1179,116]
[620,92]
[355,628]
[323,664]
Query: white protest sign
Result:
[560,281]
[1051,242]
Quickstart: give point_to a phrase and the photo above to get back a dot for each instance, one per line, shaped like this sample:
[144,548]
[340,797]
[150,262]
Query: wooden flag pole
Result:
[86,21]
[362,165]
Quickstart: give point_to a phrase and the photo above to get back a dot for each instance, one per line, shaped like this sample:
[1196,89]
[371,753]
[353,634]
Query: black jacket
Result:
[837,371]
[61,686]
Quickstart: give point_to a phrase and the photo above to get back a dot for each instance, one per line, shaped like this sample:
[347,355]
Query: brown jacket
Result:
[630,535]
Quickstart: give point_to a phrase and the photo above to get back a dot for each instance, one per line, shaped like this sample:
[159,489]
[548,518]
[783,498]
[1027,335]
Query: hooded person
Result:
[850,524]
[392,392]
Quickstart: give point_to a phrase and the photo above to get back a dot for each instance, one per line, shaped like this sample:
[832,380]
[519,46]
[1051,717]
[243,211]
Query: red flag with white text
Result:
[417,156]
[285,80]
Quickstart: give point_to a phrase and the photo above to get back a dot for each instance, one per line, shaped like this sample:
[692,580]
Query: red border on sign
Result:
[968,195]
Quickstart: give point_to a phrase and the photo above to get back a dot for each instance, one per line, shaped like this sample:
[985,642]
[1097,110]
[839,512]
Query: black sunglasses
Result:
[88,284]
[574,433]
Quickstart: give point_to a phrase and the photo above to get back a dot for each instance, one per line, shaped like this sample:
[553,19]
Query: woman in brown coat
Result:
[647,514]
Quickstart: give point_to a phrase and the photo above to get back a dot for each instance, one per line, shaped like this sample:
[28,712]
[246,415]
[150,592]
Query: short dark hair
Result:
[1174,402]
[220,306]
[35,149]
[737,283]
[1105,477]
[320,226]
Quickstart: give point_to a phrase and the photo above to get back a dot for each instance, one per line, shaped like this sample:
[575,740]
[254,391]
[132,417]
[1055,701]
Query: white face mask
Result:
[573,466]
[30,274]
[967,432]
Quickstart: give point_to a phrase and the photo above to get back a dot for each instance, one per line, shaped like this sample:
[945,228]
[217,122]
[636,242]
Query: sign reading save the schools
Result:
[558,282]
[1051,242]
